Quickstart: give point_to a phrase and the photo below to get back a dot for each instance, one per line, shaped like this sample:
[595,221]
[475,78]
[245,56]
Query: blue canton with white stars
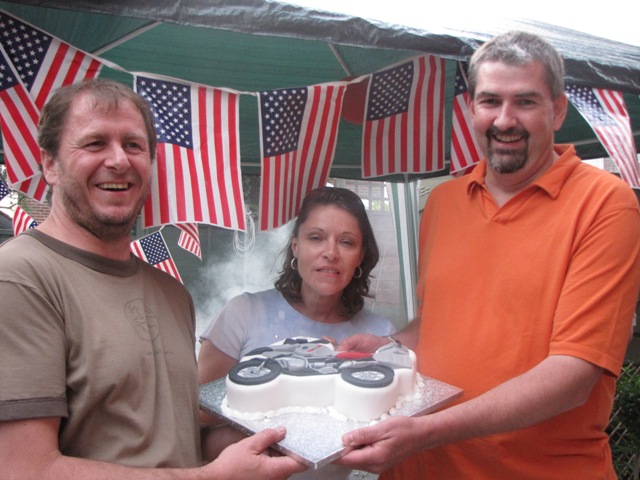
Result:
[4,190]
[587,103]
[7,77]
[461,84]
[390,92]
[171,106]
[154,249]
[25,46]
[282,111]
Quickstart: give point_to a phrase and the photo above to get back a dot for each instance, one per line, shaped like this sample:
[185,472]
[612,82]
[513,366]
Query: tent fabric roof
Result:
[591,60]
[256,45]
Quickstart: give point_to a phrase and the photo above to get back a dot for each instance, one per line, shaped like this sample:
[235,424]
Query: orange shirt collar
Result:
[551,181]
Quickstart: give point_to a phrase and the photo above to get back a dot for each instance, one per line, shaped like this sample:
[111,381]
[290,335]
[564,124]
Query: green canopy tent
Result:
[257,45]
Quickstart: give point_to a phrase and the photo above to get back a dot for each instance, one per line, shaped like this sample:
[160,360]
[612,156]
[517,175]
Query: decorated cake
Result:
[302,374]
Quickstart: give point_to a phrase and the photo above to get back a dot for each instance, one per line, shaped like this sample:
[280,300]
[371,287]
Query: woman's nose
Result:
[331,250]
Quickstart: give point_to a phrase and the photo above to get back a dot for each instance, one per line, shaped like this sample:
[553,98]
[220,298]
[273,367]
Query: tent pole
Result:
[126,38]
[341,61]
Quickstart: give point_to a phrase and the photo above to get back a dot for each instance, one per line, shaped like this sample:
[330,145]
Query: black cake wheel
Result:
[254,372]
[375,376]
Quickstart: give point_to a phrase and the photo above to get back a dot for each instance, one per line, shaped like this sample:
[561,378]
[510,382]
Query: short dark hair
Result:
[104,92]
[519,48]
[289,283]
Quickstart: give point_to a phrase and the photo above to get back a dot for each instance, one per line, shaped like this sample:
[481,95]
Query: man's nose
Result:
[506,118]
[117,158]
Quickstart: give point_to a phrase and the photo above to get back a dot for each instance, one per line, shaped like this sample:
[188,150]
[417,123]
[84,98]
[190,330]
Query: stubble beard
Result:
[105,227]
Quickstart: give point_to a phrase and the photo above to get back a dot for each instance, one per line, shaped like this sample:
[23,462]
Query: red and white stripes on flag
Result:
[404,119]
[298,133]
[44,63]
[19,125]
[22,221]
[606,113]
[153,249]
[465,151]
[190,238]
[196,176]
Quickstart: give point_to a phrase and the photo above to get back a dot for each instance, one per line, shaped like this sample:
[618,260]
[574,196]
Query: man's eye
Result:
[133,146]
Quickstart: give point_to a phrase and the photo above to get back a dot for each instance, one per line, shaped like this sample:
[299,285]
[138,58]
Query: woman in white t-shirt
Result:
[319,293]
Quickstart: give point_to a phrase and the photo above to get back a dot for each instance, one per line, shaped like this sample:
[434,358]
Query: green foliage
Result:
[628,403]
[624,427]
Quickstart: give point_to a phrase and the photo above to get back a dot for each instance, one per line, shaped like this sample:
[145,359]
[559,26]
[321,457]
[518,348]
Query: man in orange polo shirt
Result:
[529,271]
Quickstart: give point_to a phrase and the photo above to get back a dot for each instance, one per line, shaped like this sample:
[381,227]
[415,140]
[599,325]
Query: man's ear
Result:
[470,106]
[560,106]
[48,167]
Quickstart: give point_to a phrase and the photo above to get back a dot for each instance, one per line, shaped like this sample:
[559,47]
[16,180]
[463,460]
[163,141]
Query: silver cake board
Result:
[315,438]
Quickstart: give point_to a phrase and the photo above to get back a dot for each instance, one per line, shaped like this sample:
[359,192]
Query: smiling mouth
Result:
[113,186]
[509,136]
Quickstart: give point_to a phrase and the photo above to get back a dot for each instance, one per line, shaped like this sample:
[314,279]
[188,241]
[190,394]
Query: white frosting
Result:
[325,393]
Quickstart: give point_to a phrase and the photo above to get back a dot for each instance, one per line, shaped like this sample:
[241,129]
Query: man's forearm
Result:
[556,385]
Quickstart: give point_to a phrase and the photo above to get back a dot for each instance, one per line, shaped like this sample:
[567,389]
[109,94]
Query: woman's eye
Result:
[349,243]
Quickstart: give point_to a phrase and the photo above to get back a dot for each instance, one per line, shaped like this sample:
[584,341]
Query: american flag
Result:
[404,119]
[197,172]
[465,151]
[4,190]
[190,238]
[22,221]
[153,250]
[298,131]
[43,63]
[19,125]
[606,113]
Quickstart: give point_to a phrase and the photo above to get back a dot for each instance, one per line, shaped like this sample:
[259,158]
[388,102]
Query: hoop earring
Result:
[293,266]
[360,274]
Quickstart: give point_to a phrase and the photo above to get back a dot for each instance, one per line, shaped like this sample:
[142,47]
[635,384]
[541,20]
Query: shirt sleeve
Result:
[598,298]
[34,352]
[229,329]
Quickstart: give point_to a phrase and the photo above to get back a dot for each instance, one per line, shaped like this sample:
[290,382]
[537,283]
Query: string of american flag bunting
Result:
[197,175]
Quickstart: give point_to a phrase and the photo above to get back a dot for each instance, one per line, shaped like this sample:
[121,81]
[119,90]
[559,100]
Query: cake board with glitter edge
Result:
[315,439]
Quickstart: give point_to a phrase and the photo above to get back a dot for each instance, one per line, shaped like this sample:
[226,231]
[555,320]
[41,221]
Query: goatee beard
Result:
[506,161]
